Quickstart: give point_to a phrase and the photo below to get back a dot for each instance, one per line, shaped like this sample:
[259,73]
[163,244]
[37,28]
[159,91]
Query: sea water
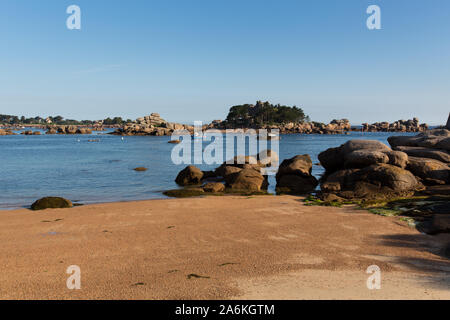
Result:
[86,171]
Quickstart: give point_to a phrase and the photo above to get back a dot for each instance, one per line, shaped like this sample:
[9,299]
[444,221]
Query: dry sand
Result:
[242,247]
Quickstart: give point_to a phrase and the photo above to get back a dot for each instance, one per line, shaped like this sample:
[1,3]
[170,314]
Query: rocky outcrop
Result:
[294,176]
[431,171]
[190,175]
[378,181]
[242,174]
[438,139]
[429,155]
[152,125]
[334,127]
[51,203]
[397,126]
[246,180]
[366,169]
[359,154]
[6,132]
[68,130]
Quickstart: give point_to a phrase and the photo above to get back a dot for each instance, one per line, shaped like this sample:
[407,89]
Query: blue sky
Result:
[192,60]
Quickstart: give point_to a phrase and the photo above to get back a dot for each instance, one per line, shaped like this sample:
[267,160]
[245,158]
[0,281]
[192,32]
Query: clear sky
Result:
[192,60]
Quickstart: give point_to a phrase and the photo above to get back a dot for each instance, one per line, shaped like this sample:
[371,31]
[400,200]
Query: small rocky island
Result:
[261,115]
[264,115]
[152,125]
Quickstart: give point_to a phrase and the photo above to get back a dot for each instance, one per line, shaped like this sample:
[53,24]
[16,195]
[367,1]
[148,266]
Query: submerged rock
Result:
[51,202]
[184,193]
[214,187]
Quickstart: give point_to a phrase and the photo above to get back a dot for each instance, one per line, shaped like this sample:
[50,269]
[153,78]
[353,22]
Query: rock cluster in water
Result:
[429,155]
[246,174]
[294,176]
[6,132]
[68,130]
[334,127]
[397,126]
[152,125]
[366,169]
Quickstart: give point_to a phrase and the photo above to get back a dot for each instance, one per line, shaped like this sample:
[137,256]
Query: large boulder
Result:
[360,154]
[372,182]
[434,139]
[300,165]
[338,180]
[364,158]
[52,203]
[430,170]
[294,184]
[397,158]
[332,159]
[225,170]
[190,175]
[248,180]
[294,176]
[353,145]
[390,176]
[421,152]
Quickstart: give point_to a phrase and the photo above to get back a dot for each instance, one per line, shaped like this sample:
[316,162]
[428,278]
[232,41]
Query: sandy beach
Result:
[229,247]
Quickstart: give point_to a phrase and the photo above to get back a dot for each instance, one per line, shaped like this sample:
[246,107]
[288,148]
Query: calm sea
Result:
[71,166]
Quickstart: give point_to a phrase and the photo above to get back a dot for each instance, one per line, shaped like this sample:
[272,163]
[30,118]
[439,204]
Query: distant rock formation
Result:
[334,127]
[397,126]
[6,132]
[152,125]
[67,130]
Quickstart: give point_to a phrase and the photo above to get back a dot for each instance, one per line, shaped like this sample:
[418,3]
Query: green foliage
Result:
[57,120]
[264,113]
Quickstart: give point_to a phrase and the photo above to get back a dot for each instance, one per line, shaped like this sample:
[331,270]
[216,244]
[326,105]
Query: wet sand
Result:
[229,247]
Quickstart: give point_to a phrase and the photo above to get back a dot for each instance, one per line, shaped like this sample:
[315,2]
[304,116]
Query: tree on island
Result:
[264,113]
[55,120]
